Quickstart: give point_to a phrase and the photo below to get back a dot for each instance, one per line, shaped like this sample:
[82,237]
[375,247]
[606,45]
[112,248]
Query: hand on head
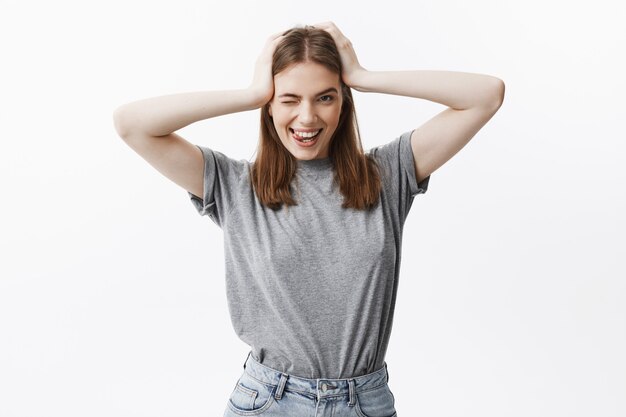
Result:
[262,84]
[351,67]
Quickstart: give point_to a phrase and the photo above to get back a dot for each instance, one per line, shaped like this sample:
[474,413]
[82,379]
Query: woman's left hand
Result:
[349,62]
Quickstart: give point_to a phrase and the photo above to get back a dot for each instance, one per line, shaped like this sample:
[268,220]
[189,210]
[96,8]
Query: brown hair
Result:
[274,167]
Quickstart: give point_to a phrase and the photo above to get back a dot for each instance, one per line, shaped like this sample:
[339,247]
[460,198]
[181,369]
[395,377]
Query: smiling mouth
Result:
[306,138]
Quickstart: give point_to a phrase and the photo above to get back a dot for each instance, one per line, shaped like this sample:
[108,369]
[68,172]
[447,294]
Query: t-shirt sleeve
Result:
[396,161]
[221,178]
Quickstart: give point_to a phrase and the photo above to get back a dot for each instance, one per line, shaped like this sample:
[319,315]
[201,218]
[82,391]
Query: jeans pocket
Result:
[251,397]
[377,402]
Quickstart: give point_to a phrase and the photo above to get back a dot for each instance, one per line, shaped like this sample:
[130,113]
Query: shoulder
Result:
[222,166]
[392,153]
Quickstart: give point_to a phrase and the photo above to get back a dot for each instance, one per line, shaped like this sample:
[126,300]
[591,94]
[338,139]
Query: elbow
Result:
[498,93]
[494,95]
[120,122]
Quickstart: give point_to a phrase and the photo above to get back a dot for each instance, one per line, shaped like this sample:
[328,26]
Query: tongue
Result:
[302,139]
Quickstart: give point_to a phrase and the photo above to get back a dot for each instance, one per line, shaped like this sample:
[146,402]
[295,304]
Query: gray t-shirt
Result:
[312,288]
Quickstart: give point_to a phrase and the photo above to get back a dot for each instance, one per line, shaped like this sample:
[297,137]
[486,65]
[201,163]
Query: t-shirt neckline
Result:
[320,163]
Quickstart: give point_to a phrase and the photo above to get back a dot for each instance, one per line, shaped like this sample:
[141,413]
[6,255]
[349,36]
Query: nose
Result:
[307,114]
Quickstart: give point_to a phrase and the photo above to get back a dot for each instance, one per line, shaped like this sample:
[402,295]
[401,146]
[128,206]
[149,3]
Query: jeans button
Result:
[324,387]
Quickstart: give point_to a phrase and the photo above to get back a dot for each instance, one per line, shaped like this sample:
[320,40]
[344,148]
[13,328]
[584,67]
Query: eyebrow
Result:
[328,90]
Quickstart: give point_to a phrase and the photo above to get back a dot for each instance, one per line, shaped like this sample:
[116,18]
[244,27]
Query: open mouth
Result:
[305,138]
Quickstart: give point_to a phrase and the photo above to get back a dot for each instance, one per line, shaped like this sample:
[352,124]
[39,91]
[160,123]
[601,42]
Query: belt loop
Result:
[244,362]
[352,399]
[281,386]
[386,371]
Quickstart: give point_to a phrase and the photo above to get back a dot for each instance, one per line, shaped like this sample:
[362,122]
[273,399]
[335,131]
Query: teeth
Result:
[306,134]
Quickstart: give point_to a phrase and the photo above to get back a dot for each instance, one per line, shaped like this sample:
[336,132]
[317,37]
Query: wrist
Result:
[259,98]
[358,80]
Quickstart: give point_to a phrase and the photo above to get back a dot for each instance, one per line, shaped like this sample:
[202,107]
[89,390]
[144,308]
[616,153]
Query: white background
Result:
[512,293]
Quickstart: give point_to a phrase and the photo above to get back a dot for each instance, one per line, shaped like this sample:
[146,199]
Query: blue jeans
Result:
[267,392]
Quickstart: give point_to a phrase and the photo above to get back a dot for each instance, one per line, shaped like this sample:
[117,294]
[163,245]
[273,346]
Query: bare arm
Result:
[147,126]
[472,100]
[457,90]
[160,116]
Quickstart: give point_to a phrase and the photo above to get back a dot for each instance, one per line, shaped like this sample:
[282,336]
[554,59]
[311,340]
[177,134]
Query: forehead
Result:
[305,78]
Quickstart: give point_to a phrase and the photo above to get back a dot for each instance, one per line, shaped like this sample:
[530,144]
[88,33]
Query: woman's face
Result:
[307,99]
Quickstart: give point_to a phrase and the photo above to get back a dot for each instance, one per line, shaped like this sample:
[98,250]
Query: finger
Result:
[328,26]
[276,35]
[331,28]
[325,24]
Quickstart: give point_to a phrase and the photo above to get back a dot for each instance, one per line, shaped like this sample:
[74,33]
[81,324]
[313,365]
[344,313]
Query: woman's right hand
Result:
[262,86]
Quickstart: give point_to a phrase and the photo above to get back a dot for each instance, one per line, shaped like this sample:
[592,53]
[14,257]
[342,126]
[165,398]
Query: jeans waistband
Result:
[319,387]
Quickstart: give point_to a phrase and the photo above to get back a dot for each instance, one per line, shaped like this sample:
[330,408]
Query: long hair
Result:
[274,167]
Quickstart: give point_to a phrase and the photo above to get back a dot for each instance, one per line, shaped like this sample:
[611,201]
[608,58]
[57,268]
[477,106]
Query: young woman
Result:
[313,227]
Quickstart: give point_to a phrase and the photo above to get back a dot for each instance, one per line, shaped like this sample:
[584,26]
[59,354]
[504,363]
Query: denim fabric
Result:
[263,391]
